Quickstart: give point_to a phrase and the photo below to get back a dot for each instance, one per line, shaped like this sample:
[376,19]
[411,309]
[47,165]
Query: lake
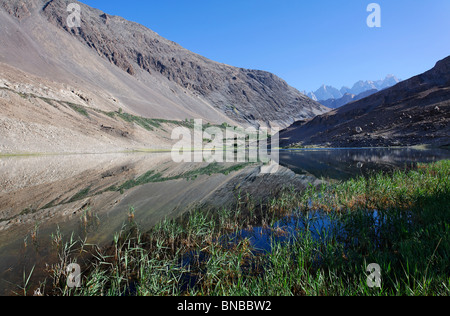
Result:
[92,196]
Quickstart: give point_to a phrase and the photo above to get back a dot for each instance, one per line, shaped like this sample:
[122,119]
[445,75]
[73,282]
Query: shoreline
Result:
[209,239]
[164,150]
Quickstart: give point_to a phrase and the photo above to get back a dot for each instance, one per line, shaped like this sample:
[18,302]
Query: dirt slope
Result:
[111,58]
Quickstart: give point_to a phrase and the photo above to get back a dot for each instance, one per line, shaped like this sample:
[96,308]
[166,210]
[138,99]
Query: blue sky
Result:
[307,43]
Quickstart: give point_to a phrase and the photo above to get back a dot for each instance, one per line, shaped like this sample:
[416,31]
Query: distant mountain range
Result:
[332,97]
[413,112]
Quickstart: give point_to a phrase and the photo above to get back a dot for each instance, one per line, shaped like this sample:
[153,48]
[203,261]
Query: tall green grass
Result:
[400,221]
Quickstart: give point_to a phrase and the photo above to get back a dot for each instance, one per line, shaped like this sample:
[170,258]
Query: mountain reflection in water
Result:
[91,195]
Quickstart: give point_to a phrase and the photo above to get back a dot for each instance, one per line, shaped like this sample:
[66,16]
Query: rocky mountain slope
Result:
[112,63]
[42,116]
[413,112]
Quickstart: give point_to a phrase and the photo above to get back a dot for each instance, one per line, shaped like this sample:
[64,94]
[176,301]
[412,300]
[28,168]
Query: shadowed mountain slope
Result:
[413,112]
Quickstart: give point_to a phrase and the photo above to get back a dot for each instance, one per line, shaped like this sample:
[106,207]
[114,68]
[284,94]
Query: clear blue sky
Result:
[307,43]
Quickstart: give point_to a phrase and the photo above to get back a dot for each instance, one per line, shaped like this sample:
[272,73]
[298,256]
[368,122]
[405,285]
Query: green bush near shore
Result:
[319,242]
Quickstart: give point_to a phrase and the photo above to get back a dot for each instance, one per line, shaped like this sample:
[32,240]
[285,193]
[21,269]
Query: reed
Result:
[317,242]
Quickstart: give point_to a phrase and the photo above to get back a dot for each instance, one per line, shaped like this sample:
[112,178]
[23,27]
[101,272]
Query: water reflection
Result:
[92,195]
[346,163]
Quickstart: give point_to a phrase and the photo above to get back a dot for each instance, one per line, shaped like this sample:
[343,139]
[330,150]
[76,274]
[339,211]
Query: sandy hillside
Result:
[109,64]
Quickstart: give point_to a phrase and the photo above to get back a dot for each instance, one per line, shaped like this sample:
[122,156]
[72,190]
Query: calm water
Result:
[39,195]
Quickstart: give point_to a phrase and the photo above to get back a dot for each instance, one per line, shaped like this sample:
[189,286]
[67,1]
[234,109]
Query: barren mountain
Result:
[109,64]
[413,112]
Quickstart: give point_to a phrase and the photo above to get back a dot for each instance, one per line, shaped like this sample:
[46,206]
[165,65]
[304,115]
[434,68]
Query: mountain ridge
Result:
[327,93]
[191,85]
[346,99]
[413,112]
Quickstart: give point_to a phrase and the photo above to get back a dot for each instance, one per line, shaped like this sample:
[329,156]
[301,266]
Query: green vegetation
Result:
[152,177]
[147,123]
[49,204]
[80,195]
[148,177]
[21,155]
[150,124]
[26,211]
[319,242]
[77,108]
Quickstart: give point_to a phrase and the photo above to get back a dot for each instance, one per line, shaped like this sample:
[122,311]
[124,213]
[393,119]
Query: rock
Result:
[136,49]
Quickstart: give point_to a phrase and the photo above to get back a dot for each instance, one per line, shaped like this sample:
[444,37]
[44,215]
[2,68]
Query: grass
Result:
[3,155]
[77,108]
[148,123]
[80,195]
[318,242]
[152,177]
[151,123]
